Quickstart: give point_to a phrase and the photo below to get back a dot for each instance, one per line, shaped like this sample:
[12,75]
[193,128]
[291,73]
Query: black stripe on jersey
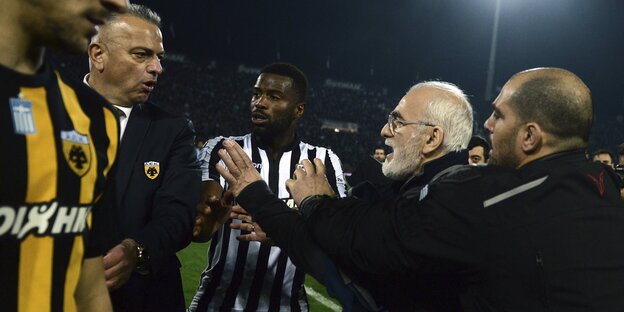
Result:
[12,160]
[67,183]
[217,271]
[265,251]
[330,173]
[241,258]
[13,183]
[214,159]
[294,158]
[255,289]
[278,282]
[297,291]
[62,251]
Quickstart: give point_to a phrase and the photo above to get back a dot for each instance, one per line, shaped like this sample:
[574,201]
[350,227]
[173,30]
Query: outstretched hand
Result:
[239,172]
[309,179]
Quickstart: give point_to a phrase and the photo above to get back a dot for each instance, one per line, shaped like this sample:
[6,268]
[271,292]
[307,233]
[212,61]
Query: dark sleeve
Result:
[286,227]
[102,233]
[409,237]
[173,210]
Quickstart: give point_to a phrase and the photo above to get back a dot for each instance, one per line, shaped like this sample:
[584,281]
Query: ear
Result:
[434,140]
[97,56]
[299,109]
[532,138]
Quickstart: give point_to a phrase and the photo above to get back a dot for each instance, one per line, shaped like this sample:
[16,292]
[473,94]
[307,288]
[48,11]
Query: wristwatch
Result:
[142,265]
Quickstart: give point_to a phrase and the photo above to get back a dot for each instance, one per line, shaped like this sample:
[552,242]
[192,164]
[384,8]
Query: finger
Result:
[237,154]
[299,173]
[290,183]
[308,166]
[320,167]
[229,163]
[239,209]
[227,199]
[225,173]
[249,227]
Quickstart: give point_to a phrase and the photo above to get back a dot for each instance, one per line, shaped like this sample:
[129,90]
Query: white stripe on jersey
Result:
[211,277]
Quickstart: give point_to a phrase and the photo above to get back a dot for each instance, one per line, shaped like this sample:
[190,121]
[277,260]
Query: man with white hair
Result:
[428,131]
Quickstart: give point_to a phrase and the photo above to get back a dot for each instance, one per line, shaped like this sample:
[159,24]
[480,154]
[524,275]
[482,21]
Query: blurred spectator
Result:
[603,156]
[380,154]
[478,151]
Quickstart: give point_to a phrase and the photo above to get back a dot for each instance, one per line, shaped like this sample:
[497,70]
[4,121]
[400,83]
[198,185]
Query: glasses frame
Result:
[394,123]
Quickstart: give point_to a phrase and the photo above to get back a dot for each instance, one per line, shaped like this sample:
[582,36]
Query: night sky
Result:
[398,43]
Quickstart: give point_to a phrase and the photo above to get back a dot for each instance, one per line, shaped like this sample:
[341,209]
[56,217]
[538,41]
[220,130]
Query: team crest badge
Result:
[152,169]
[77,151]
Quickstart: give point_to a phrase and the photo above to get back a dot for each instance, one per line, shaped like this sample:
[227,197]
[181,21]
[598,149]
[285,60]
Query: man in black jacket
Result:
[539,230]
[428,130]
[158,179]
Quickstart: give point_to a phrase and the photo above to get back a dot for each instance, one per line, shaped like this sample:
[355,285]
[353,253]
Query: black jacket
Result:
[157,186]
[287,228]
[547,237]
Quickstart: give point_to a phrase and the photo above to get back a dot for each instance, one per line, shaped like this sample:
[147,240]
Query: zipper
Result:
[541,277]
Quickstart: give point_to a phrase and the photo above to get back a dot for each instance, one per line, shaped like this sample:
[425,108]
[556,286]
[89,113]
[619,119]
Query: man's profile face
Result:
[604,158]
[133,49]
[503,126]
[407,141]
[380,155]
[274,104]
[68,25]
[476,155]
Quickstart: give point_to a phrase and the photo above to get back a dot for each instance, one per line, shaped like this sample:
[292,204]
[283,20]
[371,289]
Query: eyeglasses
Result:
[395,122]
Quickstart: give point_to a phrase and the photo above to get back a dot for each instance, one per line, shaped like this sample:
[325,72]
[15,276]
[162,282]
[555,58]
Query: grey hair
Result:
[136,10]
[140,11]
[451,110]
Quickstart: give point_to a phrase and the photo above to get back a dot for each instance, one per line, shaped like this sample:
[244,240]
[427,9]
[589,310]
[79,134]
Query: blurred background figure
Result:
[604,156]
[478,151]
[380,154]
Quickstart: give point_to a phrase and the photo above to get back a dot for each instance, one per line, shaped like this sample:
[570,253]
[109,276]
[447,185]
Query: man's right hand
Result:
[119,262]
[240,172]
[210,216]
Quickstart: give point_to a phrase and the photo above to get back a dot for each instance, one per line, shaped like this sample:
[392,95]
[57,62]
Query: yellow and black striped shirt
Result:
[59,143]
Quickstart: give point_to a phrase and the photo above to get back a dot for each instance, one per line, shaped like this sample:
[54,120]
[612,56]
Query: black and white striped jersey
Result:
[249,276]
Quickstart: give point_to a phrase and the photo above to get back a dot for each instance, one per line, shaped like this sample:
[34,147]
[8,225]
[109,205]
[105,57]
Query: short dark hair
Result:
[300,82]
[602,151]
[479,141]
[559,102]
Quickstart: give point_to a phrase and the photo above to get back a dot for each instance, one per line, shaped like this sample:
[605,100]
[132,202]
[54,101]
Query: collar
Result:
[432,168]
[559,157]
[294,144]
[125,110]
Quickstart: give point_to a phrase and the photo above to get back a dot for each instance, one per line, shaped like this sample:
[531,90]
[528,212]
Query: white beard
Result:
[406,160]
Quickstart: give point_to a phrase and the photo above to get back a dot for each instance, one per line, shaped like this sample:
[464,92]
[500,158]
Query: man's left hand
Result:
[309,180]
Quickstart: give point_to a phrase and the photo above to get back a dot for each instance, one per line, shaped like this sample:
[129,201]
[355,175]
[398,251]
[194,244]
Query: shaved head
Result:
[558,101]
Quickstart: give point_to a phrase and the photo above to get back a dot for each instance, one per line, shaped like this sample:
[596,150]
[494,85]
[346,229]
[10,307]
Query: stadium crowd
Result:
[209,94]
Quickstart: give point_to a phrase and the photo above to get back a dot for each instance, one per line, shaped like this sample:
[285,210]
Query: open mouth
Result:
[258,118]
[149,85]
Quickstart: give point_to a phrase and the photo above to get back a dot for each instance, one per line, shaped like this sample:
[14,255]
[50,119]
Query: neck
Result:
[18,50]
[277,143]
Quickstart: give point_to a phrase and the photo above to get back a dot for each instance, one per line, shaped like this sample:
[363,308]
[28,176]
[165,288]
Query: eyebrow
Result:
[396,114]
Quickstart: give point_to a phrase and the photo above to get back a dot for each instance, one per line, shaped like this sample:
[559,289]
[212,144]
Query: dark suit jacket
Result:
[157,187]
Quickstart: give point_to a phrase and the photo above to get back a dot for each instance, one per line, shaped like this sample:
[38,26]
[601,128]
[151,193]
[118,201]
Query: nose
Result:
[385,131]
[259,102]
[154,67]
[119,6]
[489,123]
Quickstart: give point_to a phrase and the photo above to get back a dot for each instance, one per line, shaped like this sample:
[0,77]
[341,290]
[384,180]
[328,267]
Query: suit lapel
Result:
[131,143]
